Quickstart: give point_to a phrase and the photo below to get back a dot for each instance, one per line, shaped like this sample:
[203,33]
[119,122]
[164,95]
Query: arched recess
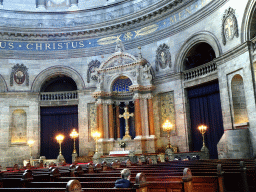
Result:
[3,86]
[238,100]
[201,37]
[115,78]
[54,71]
[248,22]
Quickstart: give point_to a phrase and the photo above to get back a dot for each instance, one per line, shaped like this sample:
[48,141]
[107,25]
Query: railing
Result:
[58,96]
[200,71]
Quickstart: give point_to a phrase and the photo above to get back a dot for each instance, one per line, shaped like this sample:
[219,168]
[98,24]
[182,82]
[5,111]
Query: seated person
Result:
[125,181]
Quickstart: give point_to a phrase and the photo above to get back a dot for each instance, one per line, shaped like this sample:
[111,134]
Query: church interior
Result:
[103,80]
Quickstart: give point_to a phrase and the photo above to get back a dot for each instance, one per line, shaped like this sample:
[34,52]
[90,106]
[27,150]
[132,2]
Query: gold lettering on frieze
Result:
[146,30]
[180,16]
[60,46]
[81,44]
[39,45]
[188,10]
[67,44]
[29,45]
[109,40]
[171,19]
[74,46]
[2,45]
[11,46]
[47,46]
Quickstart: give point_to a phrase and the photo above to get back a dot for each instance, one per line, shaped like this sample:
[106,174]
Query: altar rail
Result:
[200,71]
[58,96]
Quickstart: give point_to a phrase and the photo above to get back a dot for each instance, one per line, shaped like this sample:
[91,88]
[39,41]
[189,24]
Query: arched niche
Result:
[18,127]
[52,72]
[121,85]
[192,43]
[238,100]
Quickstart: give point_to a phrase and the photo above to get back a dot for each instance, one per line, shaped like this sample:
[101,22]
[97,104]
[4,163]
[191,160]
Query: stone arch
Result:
[201,37]
[3,85]
[57,70]
[247,19]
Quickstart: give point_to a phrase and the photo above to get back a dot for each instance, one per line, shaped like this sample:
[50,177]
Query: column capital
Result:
[99,101]
[147,96]
[109,102]
[137,96]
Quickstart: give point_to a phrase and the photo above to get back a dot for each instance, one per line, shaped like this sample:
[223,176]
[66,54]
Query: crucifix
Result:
[228,26]
[126,115]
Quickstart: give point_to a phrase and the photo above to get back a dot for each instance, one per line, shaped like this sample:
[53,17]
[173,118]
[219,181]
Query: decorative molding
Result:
[92,51]
[142,88]
[229,26]
[19,74]
[116,23]
[163,57]
[232,54]
[92,69]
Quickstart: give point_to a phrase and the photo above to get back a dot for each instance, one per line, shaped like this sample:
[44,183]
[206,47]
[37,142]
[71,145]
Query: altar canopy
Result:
[54,121]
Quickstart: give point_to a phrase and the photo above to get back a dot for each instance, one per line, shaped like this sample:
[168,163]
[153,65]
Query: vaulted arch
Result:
[202,37]
[48,73]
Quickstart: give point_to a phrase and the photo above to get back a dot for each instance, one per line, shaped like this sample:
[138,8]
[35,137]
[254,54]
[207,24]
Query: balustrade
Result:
[57,96]
[200,71]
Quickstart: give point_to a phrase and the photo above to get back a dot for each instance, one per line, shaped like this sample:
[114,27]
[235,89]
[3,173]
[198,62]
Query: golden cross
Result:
[229,24]
[126,115]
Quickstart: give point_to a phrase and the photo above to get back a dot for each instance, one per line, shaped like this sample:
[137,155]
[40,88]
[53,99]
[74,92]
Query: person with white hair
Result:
[125,181]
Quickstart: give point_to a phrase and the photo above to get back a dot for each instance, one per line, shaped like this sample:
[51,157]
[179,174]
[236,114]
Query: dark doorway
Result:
[54,121]
[205,108]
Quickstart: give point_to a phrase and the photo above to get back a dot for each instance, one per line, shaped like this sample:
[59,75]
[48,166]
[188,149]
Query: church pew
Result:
[182,185]
[139,186]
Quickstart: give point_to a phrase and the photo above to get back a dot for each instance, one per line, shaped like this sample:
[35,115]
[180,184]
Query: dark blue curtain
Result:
[205,108]
[54,121]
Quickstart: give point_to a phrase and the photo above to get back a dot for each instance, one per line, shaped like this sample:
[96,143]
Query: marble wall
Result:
[202,25]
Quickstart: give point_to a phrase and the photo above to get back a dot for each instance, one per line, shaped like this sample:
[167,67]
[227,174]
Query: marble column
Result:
[117,121]
[137,111]
[151,117]
[100,118]
[111,120]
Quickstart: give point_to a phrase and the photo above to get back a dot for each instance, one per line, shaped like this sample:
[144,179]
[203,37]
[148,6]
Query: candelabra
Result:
[74,135]
[168,127]
[60,157]
[202,129]
[30,144]
[96,135]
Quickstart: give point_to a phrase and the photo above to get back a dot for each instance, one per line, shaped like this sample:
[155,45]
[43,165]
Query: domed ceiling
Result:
[65,14]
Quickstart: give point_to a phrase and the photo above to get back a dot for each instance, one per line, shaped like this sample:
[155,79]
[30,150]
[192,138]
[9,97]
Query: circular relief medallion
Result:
[229,28]
[19,77]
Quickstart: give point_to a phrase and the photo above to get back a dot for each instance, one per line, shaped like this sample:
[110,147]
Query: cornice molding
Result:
[106,49]
[233,53]
[137,17]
